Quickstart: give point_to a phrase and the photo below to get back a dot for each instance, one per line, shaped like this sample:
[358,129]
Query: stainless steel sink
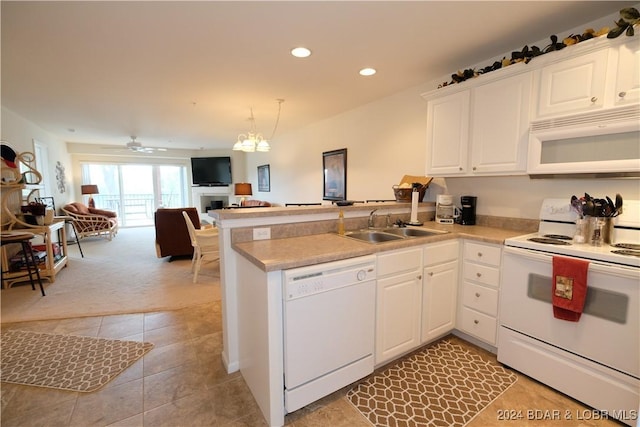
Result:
[372,236]
[412,232]
[390,234]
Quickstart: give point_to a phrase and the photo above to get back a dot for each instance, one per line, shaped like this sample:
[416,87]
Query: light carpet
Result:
[65,362]
[443,385]
[114,277]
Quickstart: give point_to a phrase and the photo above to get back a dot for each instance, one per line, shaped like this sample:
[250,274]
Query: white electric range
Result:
[595,360]
[558,225]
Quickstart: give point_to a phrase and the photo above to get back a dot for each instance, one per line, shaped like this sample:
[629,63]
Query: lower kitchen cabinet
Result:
[480,287]
[398,303]
[439,289]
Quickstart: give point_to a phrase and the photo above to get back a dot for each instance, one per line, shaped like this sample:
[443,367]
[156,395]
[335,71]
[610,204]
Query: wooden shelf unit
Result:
[13,195]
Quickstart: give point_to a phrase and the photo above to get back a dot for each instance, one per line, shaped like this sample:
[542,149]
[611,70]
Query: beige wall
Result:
[20,133]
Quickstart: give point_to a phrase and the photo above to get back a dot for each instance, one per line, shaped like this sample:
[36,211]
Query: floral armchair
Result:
[91,221]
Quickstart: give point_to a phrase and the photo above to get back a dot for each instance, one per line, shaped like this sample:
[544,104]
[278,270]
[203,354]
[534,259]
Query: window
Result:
[135,191]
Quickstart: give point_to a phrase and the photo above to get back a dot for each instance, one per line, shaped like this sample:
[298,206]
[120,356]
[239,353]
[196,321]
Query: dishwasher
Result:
[329,328]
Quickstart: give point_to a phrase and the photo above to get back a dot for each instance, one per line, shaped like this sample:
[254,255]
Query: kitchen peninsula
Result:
[257,245]
[274,223]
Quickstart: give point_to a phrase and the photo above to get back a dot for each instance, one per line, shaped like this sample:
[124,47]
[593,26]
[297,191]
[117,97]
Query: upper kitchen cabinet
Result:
[492,125]
[627,89]
[584,136]
[481,130]
[448,134]
[500,125]
[596,74]
[571,85]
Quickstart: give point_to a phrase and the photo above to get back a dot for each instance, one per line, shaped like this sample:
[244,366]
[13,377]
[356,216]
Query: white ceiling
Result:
[185,74]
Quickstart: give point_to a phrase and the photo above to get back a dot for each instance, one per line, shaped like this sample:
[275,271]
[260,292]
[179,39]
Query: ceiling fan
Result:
[137,147]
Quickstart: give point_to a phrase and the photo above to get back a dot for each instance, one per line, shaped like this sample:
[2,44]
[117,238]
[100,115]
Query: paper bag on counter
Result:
[410,179]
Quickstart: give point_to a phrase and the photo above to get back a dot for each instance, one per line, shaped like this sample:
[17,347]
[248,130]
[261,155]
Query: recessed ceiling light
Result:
[300,52]
[367,72]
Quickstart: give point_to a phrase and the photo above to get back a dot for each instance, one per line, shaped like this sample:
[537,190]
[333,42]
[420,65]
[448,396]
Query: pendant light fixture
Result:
[254,141]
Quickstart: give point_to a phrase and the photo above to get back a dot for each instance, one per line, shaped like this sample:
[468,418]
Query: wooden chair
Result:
[205,245]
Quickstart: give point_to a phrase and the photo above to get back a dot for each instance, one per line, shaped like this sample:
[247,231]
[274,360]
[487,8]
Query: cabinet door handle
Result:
[431,273]
[476,321]
[478,274]
[460,168]
[477,294]
[420,276]
[594,99]
[474,168]
[479,254]
[622,94]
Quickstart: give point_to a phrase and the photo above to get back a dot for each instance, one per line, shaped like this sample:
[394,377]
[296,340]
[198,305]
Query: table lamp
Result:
[90,189]
[243,189]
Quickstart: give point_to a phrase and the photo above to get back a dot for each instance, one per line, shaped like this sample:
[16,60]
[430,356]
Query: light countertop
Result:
[282,254]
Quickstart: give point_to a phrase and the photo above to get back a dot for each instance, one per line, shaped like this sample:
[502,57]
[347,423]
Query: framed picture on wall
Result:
[264,178]
[334,171]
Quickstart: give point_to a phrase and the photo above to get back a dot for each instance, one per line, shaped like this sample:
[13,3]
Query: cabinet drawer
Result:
[399,261]
[438,253]
[481,273]
[484,254]
[480,298]
[479,325]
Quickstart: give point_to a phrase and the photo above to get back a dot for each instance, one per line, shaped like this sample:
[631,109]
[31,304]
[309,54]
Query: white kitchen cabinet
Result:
[500,125]
[398,303]
[439,289]
[590,76]
[573,85]
[481,127]
[481,130]
[448,134]
[479,290]
[627,86]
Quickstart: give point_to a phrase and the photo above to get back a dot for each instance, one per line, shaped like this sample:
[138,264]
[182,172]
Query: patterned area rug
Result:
[443,385]
[65,362]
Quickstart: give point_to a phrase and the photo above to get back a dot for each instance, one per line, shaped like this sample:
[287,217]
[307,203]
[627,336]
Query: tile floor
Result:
[182,382]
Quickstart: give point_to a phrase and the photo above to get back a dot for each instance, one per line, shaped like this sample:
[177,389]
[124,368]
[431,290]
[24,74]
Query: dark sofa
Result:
[172,236]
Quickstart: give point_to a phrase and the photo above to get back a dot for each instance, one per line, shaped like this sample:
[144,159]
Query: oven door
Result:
[609,328]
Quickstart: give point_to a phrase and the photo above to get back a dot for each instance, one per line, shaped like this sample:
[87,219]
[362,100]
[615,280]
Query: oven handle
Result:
[595,266]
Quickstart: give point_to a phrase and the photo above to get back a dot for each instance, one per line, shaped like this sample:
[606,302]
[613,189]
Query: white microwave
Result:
[601,144]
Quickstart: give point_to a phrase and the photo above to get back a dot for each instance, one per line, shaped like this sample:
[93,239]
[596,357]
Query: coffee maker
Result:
[446,211]
[468,214]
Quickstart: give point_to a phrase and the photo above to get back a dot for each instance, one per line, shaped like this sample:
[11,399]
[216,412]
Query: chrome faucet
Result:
[372,217]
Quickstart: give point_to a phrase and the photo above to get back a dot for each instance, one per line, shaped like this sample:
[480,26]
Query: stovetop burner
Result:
[627,252]
[558,236]
[632,246]
[558,225]
[548,241]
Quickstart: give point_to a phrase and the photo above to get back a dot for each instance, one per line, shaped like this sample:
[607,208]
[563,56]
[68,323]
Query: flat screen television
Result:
[211,171]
